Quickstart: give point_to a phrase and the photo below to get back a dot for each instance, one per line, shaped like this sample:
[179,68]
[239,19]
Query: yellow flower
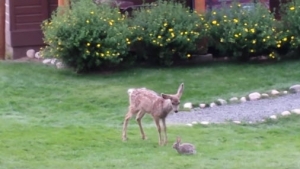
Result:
[188,55]
[186,33]
[264,40]
[252,50]
[214,22]
[252,30]
[245,24]
[221,40]
[292,37]
[88,44]
[110,23]
[165,24]
[246,30]
[214,13]
[292,8]
[127,39]
[170,30]
[128,42]
[188,39]
[254,41]
[87,21]
[159,37]
[284,39]
[98,45]
[278,45]
[107,52]
[236,35]
[268,37]
[87,51]
[172,34]
[225,16]
[92,12]
[235,20]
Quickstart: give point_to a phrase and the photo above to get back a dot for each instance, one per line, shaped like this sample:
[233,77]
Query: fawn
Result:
[142,101]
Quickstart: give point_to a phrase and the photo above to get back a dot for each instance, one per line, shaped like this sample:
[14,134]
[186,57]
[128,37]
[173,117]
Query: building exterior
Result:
[22,29]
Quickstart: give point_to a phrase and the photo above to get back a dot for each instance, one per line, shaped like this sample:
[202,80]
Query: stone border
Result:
[272,117]
[250,97]
[48,61]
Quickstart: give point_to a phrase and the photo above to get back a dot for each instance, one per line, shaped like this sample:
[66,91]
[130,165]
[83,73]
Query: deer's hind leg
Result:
[139,117]
[129,114]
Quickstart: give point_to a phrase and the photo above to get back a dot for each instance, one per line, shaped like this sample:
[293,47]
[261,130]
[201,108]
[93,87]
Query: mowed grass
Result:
[57,119]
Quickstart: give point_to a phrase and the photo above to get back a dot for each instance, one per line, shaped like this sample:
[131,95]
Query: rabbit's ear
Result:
[178,139]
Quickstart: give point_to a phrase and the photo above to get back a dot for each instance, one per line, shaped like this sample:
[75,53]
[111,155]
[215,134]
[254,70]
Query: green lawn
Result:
[57,119]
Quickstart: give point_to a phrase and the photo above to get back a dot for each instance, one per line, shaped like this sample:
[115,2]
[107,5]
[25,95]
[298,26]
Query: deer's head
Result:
[174,98]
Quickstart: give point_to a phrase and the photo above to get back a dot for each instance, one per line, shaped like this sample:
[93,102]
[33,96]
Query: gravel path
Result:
[253,111]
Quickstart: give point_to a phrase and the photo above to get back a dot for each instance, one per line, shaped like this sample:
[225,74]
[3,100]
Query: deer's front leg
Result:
[165,131]
[158,130]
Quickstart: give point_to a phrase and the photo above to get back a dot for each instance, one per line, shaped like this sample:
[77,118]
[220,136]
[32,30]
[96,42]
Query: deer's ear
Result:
[180,90]
[165,96]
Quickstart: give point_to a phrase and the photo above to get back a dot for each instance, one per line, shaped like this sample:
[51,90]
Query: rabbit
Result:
[184,148]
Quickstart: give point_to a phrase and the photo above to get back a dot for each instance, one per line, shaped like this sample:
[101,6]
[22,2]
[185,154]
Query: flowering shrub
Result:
[290,19]
[165,31]
[87,36]
[240,33]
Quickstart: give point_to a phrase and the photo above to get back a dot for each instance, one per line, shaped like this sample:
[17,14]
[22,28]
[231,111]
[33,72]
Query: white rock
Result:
[60,65]
[213,104]
[264,95]
[273,117]
[204,122]
[30,53]
[274,92]
[243,99]
[263,120]
[188,105]
[37,55]
[295,88]
[285,113]
[296,111]
[189,124]
[233,99]
[53,61]
[254,96]
[250,122]
[202,105]
[46,61]
[221,102]
[194,122]
[237,122]
[285,92]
